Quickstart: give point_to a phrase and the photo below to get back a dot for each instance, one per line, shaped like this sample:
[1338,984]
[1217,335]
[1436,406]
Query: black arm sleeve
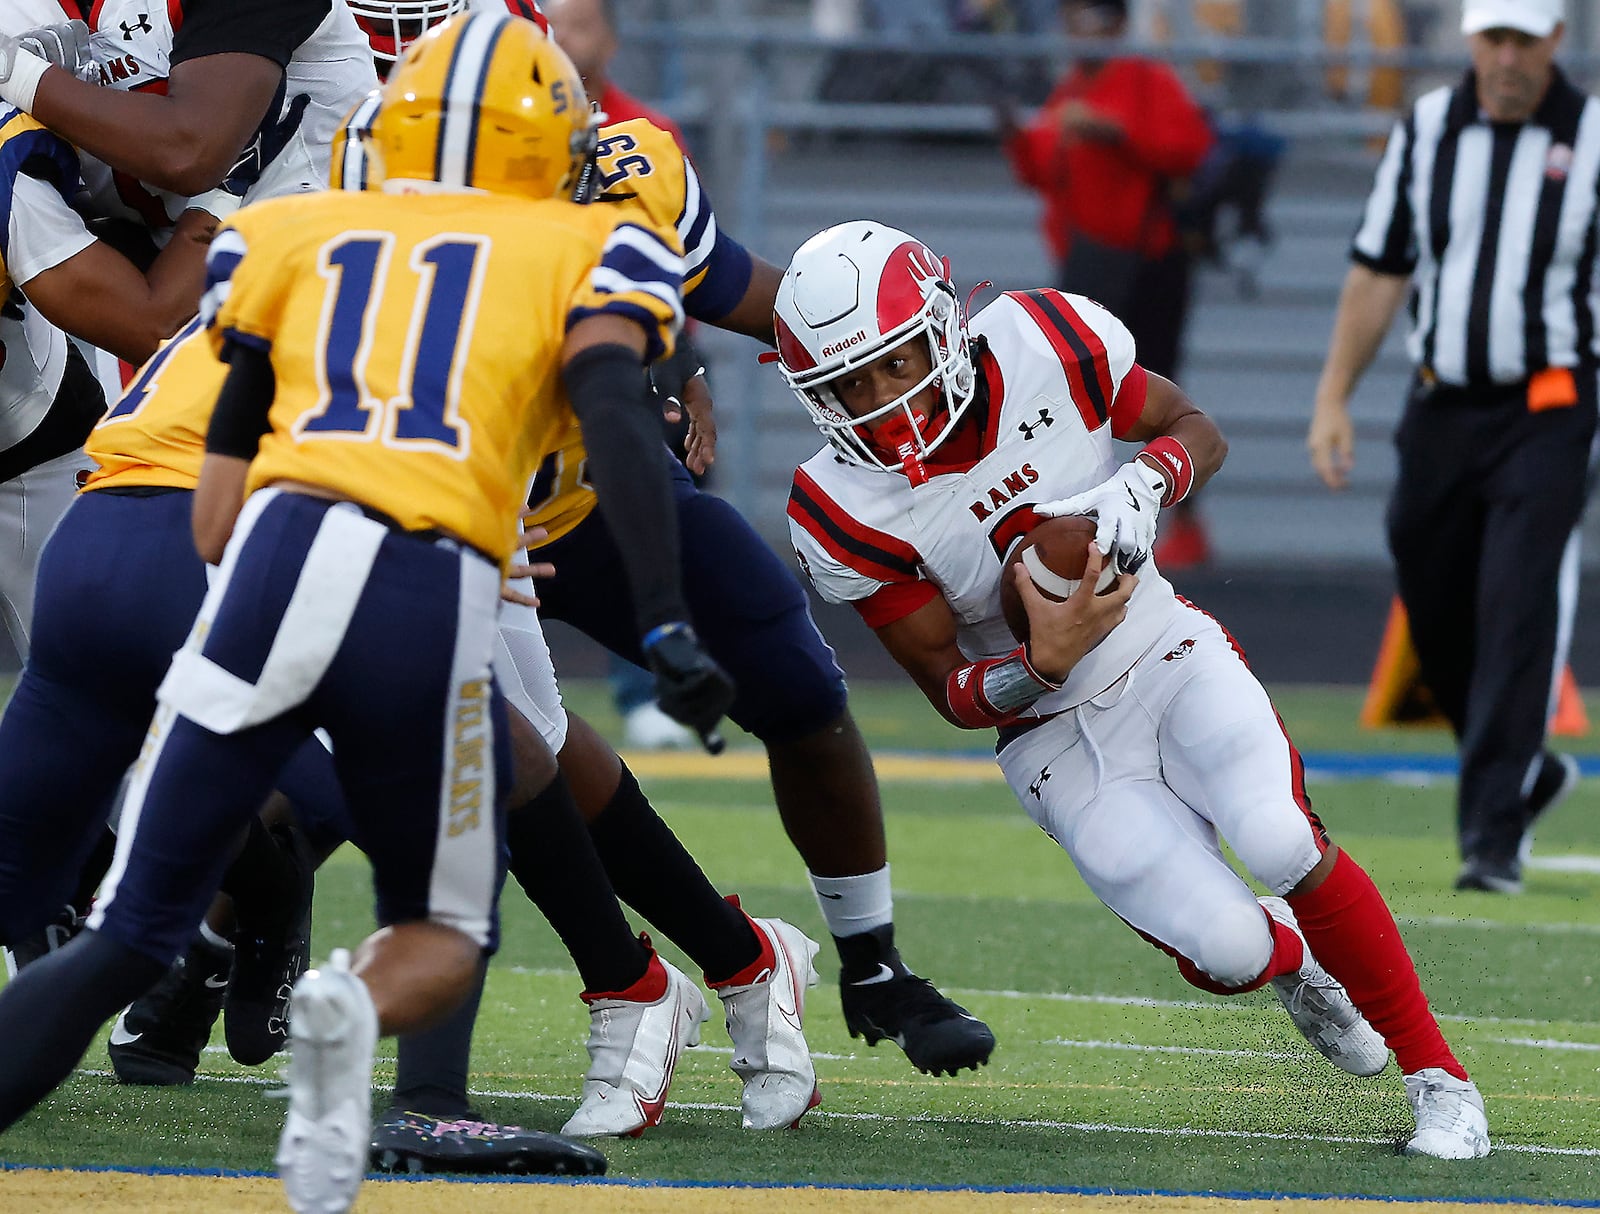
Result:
[272,29]
[240,417]
[628,465]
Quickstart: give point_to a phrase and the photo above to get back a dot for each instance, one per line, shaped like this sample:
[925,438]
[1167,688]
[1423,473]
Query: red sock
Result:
[1288,954]
[1351,932]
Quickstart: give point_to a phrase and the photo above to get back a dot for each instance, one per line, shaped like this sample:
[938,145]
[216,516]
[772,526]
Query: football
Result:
[1055,552]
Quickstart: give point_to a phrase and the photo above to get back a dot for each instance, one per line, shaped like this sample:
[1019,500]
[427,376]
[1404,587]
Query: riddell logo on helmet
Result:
[838,347]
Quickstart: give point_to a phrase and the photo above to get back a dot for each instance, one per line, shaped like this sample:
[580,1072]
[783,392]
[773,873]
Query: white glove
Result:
[66,45]
[20,72]
[1125,507]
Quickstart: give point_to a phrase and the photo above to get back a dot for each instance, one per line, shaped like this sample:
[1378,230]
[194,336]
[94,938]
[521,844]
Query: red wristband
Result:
[1171,458]
[964,691]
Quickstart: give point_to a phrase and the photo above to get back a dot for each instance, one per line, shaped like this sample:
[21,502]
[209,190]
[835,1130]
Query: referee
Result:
[1484,215]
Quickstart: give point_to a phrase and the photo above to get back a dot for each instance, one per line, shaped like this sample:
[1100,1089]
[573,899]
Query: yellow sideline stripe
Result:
[751,764]
[91,1192]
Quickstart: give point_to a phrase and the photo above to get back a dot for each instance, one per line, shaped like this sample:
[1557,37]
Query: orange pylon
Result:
[1396,694]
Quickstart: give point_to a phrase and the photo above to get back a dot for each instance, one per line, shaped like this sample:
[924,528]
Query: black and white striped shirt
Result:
[1498,225]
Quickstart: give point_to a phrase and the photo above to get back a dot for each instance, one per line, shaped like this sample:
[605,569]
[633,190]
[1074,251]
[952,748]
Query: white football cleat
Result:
[333,1027]
[764,1018]
[648,728]
[634,1045]
[1321,1008]
[1451,1123]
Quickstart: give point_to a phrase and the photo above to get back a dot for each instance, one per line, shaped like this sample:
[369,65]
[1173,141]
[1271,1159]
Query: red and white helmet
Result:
[852,293]
[393,25]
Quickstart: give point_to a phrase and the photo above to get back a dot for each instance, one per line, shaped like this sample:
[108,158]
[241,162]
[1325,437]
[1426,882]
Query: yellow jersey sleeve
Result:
[248,277]
[640,277]
[642,169]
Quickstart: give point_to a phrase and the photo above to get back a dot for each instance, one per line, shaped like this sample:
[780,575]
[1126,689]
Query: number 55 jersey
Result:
[428,326]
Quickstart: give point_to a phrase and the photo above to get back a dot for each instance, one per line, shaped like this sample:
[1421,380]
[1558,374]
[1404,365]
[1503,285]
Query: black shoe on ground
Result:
[1490,876]
[268,959]
[939,1036]
[53,935]
[157,1040]
[416,1142]
[1558,776]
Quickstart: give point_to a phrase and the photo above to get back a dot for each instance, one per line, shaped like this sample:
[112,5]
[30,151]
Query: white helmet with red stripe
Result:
[393,25]
[851,294]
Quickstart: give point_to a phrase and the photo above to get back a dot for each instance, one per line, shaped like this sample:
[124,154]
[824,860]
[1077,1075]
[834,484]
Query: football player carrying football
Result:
[747,605]
[1130,728]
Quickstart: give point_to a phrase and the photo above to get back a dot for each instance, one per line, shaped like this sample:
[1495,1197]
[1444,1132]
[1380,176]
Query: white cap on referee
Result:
[1536,17]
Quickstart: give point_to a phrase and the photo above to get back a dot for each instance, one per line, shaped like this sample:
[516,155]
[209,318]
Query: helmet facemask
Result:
[906,446]
[393,25]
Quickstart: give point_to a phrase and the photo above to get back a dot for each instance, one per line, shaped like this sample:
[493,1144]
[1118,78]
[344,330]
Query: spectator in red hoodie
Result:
[1111,144]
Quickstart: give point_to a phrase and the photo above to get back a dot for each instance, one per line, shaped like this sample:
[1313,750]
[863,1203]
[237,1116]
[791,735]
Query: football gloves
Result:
[65,45]
[1124,507]
[690,687]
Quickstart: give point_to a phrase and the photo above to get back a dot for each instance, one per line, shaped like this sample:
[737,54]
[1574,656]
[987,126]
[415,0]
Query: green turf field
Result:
[1110,1070]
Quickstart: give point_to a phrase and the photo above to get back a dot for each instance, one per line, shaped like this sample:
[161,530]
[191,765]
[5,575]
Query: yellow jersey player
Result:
[358,589]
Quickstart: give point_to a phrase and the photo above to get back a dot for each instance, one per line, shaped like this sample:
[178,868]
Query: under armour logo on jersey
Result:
[1181,652]
[1037,787]
[129,30]
[1026,429]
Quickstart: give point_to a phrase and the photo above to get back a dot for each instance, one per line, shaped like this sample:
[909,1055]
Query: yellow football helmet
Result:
[353,166]
[485,100]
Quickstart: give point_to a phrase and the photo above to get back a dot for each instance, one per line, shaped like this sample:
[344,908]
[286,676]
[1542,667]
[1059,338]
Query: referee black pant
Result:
[1487,497]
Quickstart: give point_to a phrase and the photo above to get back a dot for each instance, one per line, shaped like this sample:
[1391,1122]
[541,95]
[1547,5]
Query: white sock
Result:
[852,905]
[212,938]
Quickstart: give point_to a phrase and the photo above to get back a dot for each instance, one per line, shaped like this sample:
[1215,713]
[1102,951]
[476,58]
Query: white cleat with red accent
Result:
[635,1038]
[765,1015]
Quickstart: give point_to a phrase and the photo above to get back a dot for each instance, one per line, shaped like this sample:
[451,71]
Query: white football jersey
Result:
[1049,383]
[332,70]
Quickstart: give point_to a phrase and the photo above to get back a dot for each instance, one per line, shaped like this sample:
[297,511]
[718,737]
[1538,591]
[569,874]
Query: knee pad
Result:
[1278,846]
[1233,952]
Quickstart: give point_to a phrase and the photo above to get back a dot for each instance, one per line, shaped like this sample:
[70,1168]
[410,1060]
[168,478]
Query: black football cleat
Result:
[938,1035]
[269,957]
[156,1042]
[417,1142]
[53,935]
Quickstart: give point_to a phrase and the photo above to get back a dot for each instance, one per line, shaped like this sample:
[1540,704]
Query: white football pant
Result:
[30,507]
[525,673]
[1137,784]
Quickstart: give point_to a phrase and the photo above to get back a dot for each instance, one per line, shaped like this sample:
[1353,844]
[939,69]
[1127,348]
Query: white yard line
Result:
[1134,1047]
[1085,1127]
[1538,1043]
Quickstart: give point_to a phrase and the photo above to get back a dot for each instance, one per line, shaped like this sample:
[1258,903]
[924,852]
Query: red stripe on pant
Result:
[1288,954]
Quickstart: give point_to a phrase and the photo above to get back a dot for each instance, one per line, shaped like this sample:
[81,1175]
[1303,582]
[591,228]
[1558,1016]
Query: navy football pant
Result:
[324,618]
[119,584]
[118,588]
[745,603]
